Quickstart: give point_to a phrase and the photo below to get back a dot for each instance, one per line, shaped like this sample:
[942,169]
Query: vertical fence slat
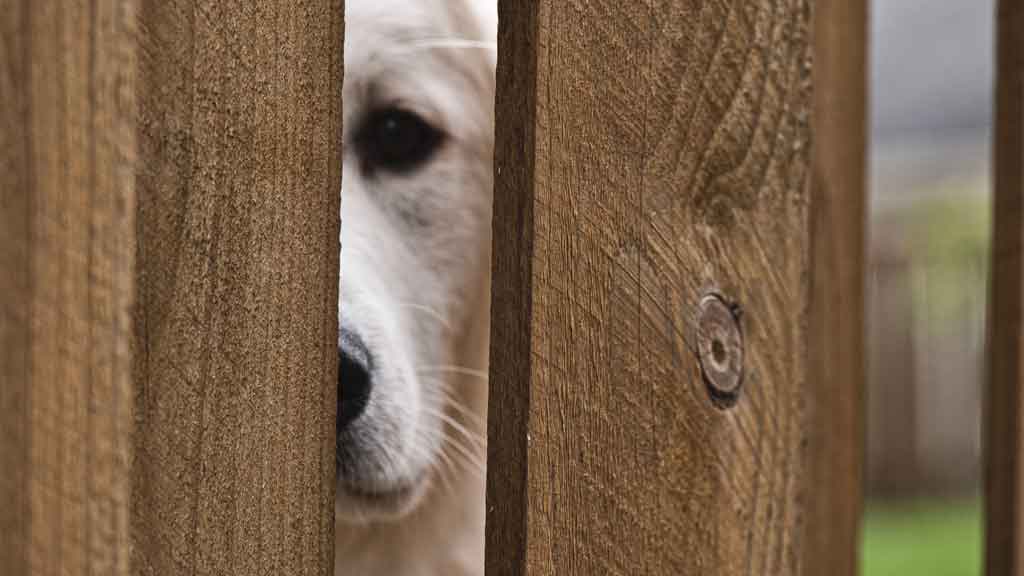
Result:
[648,154]
[237,286]
[1003,407]
[67,159]
[168,321]
[835,387]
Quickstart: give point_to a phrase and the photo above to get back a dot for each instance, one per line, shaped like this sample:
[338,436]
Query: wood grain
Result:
[648,154]
[67,214]
[1004,403]
[236,369]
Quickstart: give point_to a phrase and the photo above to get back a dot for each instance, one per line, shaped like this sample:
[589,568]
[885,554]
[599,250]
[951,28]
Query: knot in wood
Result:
[720,348]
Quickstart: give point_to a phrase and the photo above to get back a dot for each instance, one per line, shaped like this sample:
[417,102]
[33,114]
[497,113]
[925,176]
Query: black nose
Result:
[354,366]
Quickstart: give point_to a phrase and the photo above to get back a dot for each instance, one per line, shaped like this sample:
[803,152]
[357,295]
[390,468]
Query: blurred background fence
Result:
[930,206]
[926,351]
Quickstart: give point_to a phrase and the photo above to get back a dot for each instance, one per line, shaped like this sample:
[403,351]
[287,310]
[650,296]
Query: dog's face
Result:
[415,233]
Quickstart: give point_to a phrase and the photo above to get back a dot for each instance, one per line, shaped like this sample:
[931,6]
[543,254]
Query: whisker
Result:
[476,457]
[463,370]
[480,422]
[442,395]
[448,400]
[463,455]
[454,43]
[428,311]
[475,441]
[444,467]
[446,460]
[478,440]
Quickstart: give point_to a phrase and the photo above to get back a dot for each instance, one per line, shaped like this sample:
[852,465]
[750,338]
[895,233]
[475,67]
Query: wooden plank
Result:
[648,156]
[230,259]
[67,159]
[836,367]
[236,373]
[1004,476]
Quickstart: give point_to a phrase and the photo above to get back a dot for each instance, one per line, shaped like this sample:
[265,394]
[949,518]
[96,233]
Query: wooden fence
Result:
[1004,411]
[169,257]
[667,225]
[925,359]
[677,340]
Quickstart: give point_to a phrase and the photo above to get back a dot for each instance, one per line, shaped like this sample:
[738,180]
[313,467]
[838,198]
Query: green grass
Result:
[922,539]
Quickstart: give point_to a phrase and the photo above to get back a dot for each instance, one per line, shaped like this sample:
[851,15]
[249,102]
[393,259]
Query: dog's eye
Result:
[397,140]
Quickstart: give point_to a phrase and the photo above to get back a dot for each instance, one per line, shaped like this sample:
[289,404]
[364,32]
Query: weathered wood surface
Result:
[236,372]
[1004,406]
[168,265]
[648,154]
[67,213]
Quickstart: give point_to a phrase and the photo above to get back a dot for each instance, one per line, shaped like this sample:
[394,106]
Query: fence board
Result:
[648,155]
[1003,407]
[169,277]
[236,376]
[67,151]
[836,383]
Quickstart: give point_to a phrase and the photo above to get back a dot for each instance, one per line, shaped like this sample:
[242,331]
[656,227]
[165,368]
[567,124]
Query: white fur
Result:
[415,286]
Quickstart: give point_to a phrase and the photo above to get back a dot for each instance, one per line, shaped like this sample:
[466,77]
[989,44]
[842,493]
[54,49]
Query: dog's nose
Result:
[354,366]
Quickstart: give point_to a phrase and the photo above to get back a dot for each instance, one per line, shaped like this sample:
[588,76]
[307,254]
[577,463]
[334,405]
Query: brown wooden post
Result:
[67,237]
[1003,406]
[836,366]
[169,201]
[236,374]
[667,248]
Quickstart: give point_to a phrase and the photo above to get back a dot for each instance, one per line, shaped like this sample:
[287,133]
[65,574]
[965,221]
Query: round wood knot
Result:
[720,348]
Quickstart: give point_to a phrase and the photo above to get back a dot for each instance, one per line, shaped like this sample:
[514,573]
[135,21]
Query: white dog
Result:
[415,286]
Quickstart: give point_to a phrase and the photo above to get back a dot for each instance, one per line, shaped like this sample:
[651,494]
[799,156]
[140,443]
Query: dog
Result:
[414,301]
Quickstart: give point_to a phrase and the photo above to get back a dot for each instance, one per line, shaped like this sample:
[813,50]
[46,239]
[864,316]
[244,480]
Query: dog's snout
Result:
[354,378]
